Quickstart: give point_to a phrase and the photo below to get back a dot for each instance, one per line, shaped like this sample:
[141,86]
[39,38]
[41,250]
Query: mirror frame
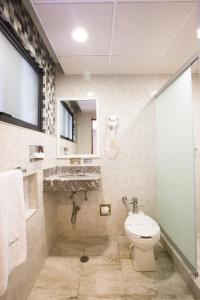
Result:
[59,156]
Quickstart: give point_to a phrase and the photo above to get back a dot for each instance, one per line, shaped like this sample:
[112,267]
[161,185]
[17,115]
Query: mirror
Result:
[77,128]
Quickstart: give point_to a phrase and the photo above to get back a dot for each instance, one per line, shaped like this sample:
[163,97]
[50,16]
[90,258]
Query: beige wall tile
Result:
[41,227]
[133,171]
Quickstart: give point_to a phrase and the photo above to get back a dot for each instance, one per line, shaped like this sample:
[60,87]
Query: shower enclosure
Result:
[176,164]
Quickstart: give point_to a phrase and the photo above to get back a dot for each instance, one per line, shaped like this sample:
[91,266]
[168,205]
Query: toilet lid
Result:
[141,225]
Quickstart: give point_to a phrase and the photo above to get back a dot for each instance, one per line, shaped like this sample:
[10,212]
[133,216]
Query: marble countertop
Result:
[76,178]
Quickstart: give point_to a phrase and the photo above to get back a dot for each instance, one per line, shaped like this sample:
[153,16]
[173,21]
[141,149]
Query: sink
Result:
[72,179]
[79,177]
[73,175]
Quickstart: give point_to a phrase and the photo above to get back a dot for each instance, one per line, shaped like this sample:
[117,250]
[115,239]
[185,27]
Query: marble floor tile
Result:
[102,278]
[102,298]
[68,247]
[109,273]
[101,261]
[88,246]
[144,283]
[124,251]
[59,277]
[37,294]
[184,297]
[178,285]
[159,250]
[102,247]
[122,240]
[160,297]
[166,264]
[124,247]
[181,297]
[147,297]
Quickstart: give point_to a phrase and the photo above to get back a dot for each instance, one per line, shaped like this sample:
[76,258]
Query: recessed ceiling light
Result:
[80,35]
[198,33]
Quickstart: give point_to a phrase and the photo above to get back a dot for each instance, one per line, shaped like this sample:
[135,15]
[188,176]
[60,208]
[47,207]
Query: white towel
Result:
[13,249]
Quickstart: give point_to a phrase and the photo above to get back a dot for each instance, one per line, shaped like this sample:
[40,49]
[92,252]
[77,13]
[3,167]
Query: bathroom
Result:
[129,60]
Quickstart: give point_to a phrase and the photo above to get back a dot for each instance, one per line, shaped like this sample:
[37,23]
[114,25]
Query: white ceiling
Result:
[87,105]
[125,37]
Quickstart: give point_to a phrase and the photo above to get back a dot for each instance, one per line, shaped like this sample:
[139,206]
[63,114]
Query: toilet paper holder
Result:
[105,209]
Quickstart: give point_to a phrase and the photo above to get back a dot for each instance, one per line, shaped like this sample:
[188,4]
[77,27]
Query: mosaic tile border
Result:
[16,14]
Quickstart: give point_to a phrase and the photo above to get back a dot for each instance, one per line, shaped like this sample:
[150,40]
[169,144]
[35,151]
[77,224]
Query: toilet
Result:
[143,233]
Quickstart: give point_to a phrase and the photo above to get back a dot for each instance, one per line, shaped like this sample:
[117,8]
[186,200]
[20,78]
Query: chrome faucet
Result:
[134,203]
[80,172]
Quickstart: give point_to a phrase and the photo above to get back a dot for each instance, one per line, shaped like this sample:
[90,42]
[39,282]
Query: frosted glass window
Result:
[175,150]
[19,84]
[70,126]
[66,122]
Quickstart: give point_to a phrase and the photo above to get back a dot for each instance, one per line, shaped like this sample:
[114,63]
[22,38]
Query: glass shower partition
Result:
[175,158]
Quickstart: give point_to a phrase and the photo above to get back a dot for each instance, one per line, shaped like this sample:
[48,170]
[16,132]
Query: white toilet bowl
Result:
[143,233]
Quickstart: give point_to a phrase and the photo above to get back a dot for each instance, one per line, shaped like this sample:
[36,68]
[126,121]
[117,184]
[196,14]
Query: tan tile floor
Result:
[107,275]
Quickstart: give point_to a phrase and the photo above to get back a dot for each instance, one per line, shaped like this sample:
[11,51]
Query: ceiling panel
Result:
[84,64]
[147,28]
[76,1]
[186,42]
[126,1]
[87,105]
[101,1]
[143,32]
[171,64]
[59,20]
[137,64]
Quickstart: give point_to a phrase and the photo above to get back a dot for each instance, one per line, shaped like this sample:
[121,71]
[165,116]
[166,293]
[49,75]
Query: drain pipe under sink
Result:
[75,208]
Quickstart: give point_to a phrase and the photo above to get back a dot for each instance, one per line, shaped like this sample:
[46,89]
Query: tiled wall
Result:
[15,141]
[71,146]
[41,227]
[15,13]
[84,132]
[133,172]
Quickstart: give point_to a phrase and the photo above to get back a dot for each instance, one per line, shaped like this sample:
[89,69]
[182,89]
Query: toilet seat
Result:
[143,233]
[142,237]
[141,226]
